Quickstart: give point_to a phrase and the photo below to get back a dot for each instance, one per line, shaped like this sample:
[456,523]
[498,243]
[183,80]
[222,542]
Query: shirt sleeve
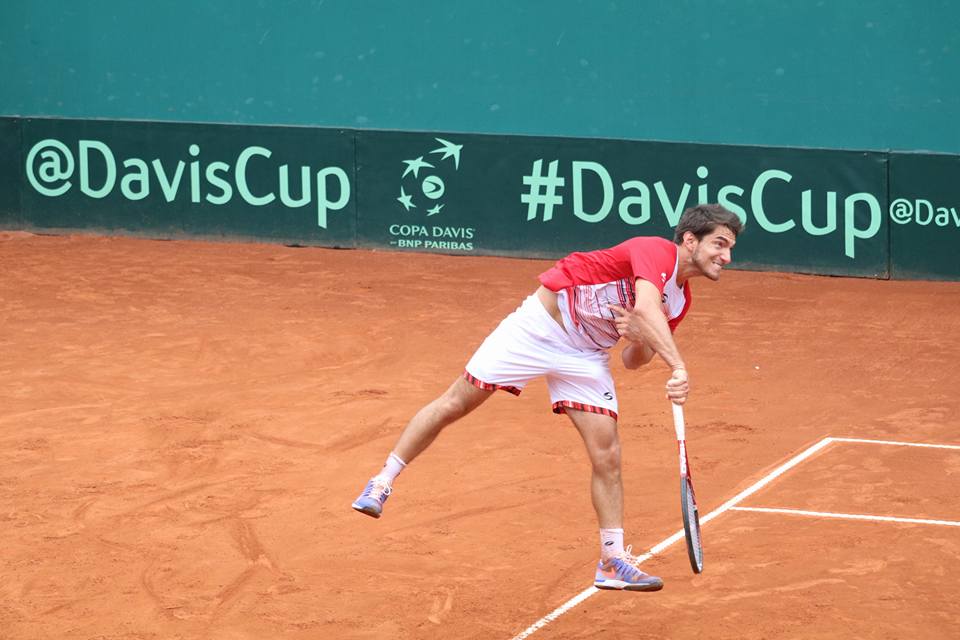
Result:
[652,259]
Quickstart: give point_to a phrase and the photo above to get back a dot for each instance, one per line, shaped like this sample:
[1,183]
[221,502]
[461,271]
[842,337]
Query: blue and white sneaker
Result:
[374,495]
[621,572]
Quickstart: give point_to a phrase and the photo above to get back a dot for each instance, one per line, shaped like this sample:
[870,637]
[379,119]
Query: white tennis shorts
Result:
[529,343]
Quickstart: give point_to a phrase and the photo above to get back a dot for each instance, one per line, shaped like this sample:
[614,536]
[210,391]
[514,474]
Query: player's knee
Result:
[452,407]
[606,458]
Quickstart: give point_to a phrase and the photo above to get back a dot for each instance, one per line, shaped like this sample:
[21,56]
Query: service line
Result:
[895,443]
[848,516]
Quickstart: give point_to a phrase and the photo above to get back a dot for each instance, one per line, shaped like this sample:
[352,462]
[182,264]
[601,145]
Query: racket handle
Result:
[678,423]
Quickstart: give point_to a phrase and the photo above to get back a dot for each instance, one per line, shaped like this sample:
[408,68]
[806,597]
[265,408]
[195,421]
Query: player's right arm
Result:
[646,323]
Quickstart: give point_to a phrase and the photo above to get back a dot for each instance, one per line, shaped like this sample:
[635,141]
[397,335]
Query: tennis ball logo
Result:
[420,175]
[433,187]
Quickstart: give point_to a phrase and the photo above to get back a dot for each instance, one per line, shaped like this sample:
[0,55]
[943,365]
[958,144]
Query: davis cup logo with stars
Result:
[420,182]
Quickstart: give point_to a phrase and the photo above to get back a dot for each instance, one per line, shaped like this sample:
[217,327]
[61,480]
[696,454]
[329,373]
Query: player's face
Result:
[712,252]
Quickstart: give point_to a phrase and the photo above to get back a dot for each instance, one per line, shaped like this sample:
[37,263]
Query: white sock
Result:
[392,468]
[611,543]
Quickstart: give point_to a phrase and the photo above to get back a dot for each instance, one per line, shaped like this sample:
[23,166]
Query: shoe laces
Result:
[379,489]
[630,561]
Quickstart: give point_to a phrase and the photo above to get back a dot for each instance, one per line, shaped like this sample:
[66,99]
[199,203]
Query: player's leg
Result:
[507,359]
[599,433]
[617,568]
[581,386]
[457,401]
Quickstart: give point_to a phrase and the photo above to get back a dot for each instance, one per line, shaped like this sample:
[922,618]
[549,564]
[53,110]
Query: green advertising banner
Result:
[812,211]
[9,172]
[925,216]
[806,210]
[287,184]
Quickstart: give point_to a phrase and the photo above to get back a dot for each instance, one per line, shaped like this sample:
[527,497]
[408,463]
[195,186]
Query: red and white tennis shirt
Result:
[587,282]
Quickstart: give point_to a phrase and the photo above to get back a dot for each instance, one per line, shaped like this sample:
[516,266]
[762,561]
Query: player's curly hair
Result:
[703,219]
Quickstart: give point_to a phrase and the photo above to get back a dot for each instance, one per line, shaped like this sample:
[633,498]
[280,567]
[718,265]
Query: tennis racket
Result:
[688,500]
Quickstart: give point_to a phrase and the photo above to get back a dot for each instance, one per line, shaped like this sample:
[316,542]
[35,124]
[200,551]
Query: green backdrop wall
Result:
[855,74]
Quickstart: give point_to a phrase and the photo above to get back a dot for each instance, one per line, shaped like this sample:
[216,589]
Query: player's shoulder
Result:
[649,244]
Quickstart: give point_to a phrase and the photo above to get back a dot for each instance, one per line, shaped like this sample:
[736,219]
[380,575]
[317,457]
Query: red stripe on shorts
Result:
[486,386]
[563,405]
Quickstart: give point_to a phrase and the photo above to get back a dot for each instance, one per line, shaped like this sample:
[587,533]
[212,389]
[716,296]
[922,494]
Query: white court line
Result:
[729,504]
[898,444]
[726,506]
[849,516]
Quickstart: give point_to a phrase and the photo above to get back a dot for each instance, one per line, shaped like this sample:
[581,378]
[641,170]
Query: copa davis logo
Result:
[423,185]
[51,166]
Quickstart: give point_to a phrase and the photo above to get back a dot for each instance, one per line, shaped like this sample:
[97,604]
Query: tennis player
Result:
[638,290]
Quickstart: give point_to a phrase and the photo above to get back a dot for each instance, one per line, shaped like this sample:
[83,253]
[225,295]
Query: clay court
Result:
[184,425]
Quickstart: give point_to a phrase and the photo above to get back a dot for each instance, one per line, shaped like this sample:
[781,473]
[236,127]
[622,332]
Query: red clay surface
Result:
[183,426]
